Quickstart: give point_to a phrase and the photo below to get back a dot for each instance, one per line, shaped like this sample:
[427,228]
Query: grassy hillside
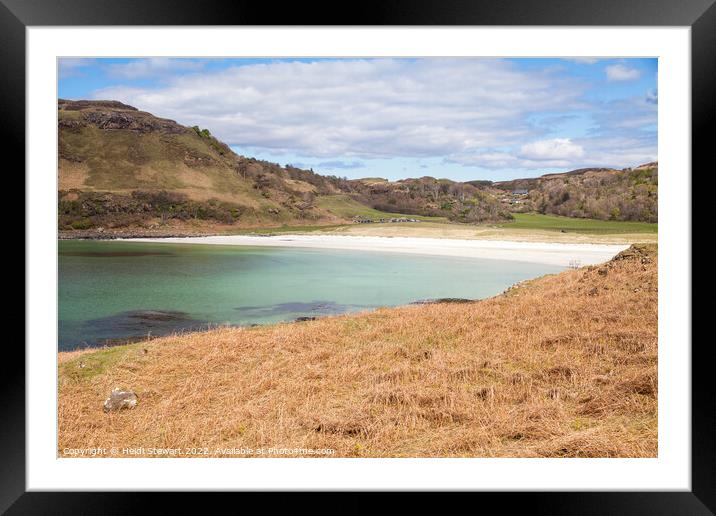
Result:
[346,207]
[120,167]
[561,366]
[119,149]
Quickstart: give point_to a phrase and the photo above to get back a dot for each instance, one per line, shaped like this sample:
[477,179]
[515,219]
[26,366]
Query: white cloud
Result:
[476,112]
[619,72]
[551,150]
[362,108]
[490,160]
[563,153]
[151,67]
[507,160]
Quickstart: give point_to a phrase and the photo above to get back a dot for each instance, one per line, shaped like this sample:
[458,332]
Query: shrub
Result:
[204,133]
[84,223]
[94,209]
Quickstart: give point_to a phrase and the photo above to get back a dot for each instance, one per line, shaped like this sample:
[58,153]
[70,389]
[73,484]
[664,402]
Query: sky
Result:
[457,118]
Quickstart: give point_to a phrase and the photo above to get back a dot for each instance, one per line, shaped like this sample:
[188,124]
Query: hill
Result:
[630,194]
[561,366]
[120,167]
[428,196]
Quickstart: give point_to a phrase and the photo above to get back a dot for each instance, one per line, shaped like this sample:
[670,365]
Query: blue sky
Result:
[459,118]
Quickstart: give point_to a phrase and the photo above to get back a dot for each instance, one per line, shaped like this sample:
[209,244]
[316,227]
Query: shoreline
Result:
[559,254]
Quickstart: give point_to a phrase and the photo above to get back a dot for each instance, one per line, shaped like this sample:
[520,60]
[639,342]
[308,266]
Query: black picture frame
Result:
[700,15]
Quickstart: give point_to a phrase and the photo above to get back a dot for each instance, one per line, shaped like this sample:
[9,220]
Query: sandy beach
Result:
[534,252]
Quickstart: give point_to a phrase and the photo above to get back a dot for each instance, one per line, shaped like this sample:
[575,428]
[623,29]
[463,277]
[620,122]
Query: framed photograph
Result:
[417,249]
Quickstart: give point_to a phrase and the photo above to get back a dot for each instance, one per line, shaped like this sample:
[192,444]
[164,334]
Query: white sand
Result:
[534,252]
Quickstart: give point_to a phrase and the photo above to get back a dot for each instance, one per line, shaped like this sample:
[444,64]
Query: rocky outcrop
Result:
[77,105]
[137,121]
[111,115]
[639,252]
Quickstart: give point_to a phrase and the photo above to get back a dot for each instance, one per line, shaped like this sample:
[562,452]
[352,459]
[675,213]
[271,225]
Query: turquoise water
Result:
[109,290]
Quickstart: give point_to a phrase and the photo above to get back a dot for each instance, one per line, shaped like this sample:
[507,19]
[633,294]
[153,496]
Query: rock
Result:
[303,319]
[69,124]
[593,292]
[603,271]
[119,400]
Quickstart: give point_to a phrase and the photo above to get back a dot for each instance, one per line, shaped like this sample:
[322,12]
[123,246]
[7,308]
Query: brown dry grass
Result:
[562,366]
[72,175]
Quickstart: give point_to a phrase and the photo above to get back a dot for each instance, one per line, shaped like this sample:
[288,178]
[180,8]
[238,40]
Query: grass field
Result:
[562,366]
[567,224]
[287,229]
[344,206]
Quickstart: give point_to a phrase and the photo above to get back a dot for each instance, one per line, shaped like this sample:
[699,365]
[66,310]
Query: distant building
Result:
[520,191]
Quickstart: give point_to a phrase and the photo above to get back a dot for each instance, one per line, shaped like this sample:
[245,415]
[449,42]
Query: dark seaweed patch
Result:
[312,307]
[132,326]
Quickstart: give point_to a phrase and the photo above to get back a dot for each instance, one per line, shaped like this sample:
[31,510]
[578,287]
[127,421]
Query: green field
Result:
[285,229]
[344,206]
[570,225]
